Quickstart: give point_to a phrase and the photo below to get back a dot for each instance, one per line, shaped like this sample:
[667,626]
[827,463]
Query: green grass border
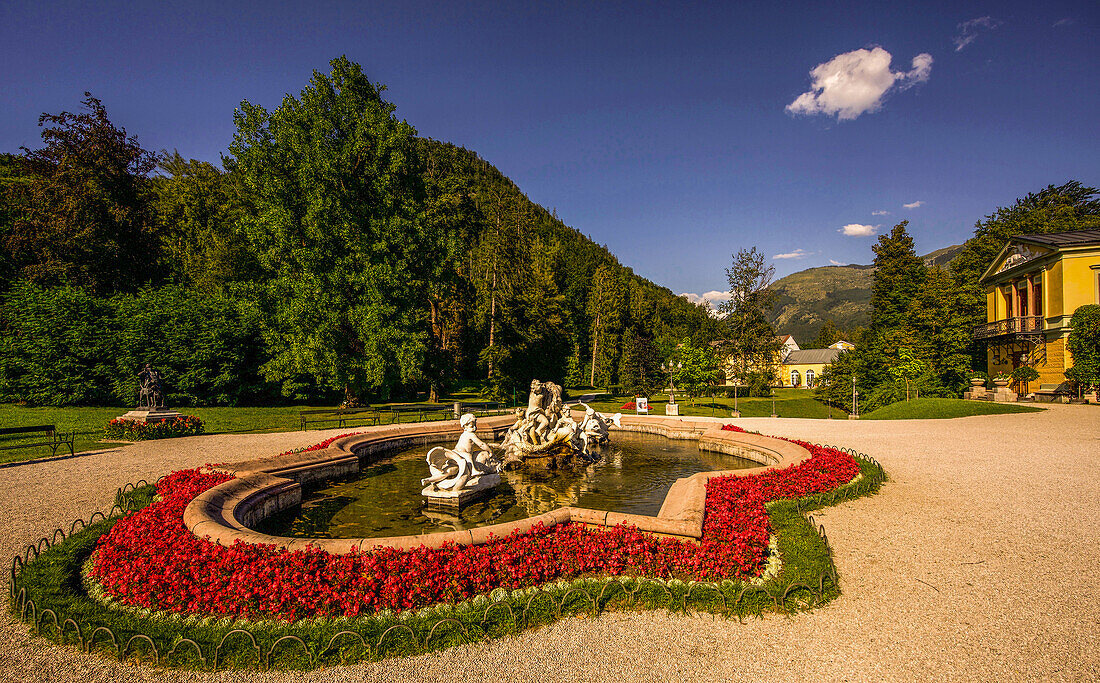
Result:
[48,591]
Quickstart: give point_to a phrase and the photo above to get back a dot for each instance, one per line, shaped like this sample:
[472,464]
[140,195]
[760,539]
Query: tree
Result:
[908,368]
[751,347]
[694,368]
[827,336]
[86,219]
[899,274]
[605,307]
[1084,344]
[199,209]
[333,179]
[1070,206]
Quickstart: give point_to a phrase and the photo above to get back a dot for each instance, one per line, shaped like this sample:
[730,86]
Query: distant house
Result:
[797,367]
[1032,290]
[803,368]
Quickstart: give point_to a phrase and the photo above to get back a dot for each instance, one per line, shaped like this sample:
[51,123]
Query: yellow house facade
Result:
[1032,289]
[803,368]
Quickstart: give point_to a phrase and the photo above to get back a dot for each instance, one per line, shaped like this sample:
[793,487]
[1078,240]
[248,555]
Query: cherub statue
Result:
[462,466]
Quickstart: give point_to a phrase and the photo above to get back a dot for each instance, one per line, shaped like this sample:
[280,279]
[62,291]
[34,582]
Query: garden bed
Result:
[156,580]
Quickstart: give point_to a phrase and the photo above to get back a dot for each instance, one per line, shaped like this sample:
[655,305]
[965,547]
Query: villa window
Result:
[796,379]
[810,379]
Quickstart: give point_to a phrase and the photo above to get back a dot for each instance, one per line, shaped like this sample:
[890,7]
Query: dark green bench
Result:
[341,416]
[482,407]
[421,411]
[46,435]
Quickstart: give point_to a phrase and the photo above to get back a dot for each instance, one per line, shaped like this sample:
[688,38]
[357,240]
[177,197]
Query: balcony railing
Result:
[1026,326]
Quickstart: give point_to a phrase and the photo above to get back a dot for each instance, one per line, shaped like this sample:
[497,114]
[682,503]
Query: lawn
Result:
[788,403]
[88,422]
[943,408]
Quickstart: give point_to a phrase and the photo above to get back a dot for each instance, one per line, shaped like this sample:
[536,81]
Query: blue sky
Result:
[673,133]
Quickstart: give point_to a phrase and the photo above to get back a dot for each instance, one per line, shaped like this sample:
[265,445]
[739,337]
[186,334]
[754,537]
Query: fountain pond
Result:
[632,475]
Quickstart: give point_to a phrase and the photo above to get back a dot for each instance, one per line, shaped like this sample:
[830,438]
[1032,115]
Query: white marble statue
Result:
[595,428]
[463,466]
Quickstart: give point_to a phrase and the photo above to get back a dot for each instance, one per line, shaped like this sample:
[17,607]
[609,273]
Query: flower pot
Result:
[1001,382]
[977,382]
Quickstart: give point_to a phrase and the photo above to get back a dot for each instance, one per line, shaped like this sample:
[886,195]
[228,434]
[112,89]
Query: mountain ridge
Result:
[806,299]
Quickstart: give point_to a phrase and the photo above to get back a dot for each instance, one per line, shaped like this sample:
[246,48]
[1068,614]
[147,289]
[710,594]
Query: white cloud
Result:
[837,263]
[857,230]
[880,213]
[856,82]
[914,205]
[797,253]
[969,31]
[711,298]
[1065,21]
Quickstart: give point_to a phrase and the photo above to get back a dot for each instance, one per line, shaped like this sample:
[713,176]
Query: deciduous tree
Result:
[86,219]
[336,192]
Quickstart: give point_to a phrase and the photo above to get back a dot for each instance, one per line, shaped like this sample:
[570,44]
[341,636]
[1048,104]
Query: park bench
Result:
[481,407]
[341,416]
[41,435]
[1052,393]
[421,411]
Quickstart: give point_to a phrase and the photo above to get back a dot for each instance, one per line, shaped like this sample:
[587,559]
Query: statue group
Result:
[151,391]
[544,433]
[546,430]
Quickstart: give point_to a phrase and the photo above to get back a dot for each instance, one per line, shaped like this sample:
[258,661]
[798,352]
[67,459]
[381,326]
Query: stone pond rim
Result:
[266,486]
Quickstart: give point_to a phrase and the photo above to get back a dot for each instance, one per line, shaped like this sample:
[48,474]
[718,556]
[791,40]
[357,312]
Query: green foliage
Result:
[827,336]
[84,217]
[335,188]
[1084,344]
[750,345]
[694,368]
[198,211]
[63,346]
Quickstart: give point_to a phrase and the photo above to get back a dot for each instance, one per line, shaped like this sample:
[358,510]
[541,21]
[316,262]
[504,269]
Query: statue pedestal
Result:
[672,409]
[456,499]
[150,415]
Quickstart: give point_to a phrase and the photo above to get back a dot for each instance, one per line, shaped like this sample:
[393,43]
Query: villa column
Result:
[1031,294]
[1015,299]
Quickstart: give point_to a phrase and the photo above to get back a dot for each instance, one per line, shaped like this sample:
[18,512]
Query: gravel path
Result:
[978,561]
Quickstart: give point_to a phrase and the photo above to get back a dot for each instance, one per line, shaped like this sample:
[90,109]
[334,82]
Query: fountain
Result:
[544,434]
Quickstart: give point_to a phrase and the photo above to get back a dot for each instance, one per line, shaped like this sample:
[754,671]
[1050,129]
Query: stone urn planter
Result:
[1001,382]
[977,382]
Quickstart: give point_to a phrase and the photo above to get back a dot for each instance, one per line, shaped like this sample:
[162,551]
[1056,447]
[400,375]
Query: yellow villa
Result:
[803,367]
[1032,289]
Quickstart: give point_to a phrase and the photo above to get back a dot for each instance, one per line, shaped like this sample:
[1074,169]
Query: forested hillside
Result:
[842,294]
[335,255]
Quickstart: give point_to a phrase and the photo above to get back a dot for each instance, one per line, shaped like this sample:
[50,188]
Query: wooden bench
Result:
[341,416]
[47,435]
[1052,393]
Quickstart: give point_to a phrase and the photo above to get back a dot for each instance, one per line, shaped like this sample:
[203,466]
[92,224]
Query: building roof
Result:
[811,357]
[1075,238]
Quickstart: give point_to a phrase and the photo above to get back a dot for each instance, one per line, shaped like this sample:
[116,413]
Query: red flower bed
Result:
[149,559]
[629,405]
[131,430]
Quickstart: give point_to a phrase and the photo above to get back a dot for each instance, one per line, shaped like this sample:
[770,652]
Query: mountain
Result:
[806,299]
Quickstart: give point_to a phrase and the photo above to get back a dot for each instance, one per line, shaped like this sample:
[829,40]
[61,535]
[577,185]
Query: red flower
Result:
[150,559]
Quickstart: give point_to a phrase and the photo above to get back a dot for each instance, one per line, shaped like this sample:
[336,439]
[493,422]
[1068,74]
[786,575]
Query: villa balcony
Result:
[1026,328]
